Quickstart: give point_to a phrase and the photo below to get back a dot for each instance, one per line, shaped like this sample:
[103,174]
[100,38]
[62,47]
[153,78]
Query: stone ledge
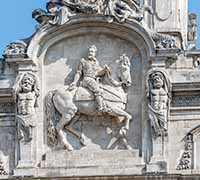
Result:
[99,162]
[131,177]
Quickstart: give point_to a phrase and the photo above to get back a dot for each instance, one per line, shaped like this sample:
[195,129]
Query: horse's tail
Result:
[50,111]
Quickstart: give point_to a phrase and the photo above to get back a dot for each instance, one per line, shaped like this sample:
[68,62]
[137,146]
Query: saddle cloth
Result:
[109,94]
[83,94]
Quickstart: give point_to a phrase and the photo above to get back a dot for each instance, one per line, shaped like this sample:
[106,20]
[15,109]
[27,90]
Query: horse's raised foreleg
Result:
[70,128]
[116,111]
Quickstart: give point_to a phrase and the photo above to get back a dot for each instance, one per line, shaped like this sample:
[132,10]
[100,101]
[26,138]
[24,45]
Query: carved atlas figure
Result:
[26,92]
[159,95]
[98,94]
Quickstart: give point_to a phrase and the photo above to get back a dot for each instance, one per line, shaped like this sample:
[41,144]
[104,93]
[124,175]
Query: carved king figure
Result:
[90,70]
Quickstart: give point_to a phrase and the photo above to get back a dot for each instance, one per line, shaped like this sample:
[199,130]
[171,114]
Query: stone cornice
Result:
[128,177]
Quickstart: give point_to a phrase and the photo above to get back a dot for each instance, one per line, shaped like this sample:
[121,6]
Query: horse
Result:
[64,106]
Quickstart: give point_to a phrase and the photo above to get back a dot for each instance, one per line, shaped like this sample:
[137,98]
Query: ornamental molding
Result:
[186,160]
[16,49]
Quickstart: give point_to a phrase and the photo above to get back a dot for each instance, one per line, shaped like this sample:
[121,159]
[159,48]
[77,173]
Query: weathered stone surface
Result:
[91,162]
[99,81]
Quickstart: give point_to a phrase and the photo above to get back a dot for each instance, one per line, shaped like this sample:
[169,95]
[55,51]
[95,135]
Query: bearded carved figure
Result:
[158,93]
[26,94]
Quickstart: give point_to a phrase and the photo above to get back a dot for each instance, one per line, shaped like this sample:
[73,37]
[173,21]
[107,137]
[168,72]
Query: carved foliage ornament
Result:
[17,48]
[186,159]
[163,41]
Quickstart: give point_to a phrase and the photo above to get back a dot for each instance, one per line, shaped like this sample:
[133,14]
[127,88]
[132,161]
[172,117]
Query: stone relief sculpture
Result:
[60,11]
[192,33]
[56,14]
[120,10]
[81,6]
[26,93]
[97,94]
[158,94]
[15,49]
[163,41]
[186,159]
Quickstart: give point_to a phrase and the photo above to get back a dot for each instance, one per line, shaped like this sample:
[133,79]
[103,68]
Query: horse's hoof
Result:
[129,147]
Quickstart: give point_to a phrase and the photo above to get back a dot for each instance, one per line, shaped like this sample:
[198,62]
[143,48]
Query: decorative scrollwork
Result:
[186,159]
[17,48]
[163,41]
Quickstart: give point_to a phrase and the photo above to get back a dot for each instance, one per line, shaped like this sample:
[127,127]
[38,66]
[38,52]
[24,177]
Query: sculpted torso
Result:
[89,68]
[159,99]
[26,102]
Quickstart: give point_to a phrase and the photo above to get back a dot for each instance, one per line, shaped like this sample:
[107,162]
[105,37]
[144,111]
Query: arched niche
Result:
[56,51]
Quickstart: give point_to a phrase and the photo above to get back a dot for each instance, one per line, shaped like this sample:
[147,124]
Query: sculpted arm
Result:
[77,75]
[101,71]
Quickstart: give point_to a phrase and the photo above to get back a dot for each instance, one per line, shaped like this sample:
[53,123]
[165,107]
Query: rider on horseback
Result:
[89,69]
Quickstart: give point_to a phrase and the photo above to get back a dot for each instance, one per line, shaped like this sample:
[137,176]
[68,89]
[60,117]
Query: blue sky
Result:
[17,23]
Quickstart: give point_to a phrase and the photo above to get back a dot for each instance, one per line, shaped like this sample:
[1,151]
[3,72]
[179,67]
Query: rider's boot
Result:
[100,104]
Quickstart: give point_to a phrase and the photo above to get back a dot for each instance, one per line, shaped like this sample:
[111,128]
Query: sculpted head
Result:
[92,51]
[27,83]
[52,6]
[157,80]
[192,18]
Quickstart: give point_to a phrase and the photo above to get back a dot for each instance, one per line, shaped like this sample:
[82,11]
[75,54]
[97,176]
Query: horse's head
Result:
[123,73]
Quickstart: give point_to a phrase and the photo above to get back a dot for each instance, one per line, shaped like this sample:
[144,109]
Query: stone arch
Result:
[130,32]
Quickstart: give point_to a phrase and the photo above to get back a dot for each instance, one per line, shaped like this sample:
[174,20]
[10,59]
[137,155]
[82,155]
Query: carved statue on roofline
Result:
[59,11]
[192,33]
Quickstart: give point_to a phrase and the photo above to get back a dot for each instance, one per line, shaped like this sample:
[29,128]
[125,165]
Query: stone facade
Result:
[108,89]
